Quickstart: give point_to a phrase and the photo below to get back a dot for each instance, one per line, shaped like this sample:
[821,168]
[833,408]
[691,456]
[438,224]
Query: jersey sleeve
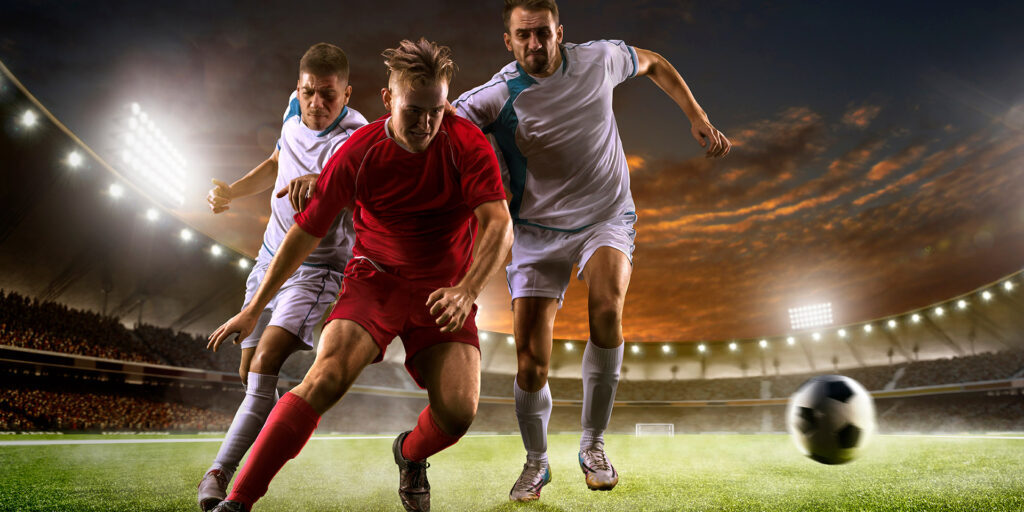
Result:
[483,104]
[480,177]
[335,190]
[620,60]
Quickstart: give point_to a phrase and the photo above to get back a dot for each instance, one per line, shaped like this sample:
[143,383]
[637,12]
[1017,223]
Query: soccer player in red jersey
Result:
[420,184]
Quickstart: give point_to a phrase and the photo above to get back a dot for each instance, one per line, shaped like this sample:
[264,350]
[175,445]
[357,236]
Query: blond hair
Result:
[419,62]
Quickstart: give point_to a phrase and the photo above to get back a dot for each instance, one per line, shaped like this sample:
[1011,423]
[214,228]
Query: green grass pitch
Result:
[685,472]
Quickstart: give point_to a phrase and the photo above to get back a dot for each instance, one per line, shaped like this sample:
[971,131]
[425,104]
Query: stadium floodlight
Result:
[1008,285]
[186,235]
[511,340]
[635,349]
[702,348]
[891,323]
[763,343]
[151,162]
[152,215]
[868,328]
[483,336]
[790,341]
[74,159]
[916,318]
[568,346]
[216,250]
[29,118]
[986,295]
[961,304]
[816,336]
[666,348]
[842,333]
[733,346]
[244,264]
[115,190]
[805,317]
[939,311]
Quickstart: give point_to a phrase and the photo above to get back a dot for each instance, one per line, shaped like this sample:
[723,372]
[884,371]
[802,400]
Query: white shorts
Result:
[542,259]
[298,305]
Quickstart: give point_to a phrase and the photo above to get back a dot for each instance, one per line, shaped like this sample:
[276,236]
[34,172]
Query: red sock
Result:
[288,428]
[426,439]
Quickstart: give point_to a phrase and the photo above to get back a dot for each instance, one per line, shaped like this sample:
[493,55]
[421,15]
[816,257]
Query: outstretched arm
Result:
[492,244]
[293,251]
[257,180]
[661,72]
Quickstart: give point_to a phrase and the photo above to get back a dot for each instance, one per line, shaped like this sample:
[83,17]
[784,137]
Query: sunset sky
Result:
[878,159]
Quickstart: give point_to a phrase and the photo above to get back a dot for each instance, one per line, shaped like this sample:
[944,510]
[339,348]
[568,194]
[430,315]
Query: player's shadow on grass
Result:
[531,505]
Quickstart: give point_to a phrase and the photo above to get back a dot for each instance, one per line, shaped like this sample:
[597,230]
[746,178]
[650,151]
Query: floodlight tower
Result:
[149,159]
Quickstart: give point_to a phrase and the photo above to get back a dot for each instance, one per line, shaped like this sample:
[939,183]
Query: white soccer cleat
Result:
[536,474]
[599,474]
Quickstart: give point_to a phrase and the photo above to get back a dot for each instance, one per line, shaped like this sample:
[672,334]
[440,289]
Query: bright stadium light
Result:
[483,336]
[986,295]
[961,304]
[916,318]
[790,341]
[152,215]
[29,118]
[216,250]
[891,323]
[74,159]
[842,333]
[150,160]
[510,340]
[244,264]
[733,346]
[186,235]
[816,336]
[939,311]
[702,348]
[867,328]
[635,349]
[568,346]
[763,343]
[1008,285]
[115,190]
[666,348]
[805,317]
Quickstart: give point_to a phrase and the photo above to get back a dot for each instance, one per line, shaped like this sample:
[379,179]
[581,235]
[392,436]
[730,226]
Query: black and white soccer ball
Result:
[830,418]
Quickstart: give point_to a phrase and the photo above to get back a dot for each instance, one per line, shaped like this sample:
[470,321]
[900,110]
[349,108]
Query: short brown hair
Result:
[420,62]
[530,5]
[324,59]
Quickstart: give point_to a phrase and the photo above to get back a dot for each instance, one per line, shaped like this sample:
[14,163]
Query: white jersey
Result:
[304,151]
[560,145]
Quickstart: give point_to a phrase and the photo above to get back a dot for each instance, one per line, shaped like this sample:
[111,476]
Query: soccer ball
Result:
[830,418]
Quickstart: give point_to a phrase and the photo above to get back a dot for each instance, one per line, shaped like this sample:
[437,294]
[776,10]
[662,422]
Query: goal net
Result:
[655,429]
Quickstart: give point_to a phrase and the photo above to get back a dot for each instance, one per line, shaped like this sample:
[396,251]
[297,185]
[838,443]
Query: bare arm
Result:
[260,178]
[297,245]
[662,73]
[493,241]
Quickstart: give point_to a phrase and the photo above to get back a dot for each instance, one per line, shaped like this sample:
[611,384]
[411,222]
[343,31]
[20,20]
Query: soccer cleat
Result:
[230,506]
[413,487]
[212,489]
[536,474]
[598,472]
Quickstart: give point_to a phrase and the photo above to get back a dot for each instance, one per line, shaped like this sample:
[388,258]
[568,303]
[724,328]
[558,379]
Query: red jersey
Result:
[412,212]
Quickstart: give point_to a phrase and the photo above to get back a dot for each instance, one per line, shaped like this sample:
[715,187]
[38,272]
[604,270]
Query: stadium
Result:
[111,401]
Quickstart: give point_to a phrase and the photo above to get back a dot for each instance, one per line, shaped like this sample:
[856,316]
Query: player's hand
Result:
[299,191]
[451,306]
[242,323]
[219,196]
[716,144]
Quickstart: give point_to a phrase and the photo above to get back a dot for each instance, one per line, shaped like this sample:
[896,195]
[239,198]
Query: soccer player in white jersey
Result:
[316,123]
[550,112]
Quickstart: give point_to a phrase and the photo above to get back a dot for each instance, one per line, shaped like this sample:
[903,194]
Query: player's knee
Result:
[455,419]
[532,376]
[265,363]
[606,313]
[325,380]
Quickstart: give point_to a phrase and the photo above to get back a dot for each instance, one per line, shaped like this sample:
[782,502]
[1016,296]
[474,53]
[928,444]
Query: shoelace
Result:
[596,458]
[419,470]
[532,474]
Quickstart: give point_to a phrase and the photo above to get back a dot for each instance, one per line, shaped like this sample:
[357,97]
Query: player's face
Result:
[416,111]
[533,37]
[321,99]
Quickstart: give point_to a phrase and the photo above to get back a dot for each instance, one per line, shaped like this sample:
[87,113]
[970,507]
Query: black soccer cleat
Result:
[413,487]
[230,506]
[212,489]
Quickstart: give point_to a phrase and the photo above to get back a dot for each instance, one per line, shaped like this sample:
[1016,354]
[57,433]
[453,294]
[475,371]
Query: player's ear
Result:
[348,94]
[508,41]
[385,94]
[558,34]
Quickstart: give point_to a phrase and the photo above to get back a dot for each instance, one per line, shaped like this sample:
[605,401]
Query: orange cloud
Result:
[861,117]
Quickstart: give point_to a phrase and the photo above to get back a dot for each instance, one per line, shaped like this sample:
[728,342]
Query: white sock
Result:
[533,411]
[600,380]
[260,397]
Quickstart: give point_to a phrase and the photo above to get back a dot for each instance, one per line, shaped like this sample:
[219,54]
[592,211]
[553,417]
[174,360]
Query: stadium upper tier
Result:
[70,234]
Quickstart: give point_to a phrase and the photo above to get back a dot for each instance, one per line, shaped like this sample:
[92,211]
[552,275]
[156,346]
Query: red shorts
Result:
[387,305]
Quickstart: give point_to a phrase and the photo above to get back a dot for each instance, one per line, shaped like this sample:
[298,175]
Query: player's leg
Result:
[533,327]
[451,374]
[607,273]
[347,349]
[264,363]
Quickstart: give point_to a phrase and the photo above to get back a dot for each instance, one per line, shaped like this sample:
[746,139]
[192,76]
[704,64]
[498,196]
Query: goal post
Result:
[655,429]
